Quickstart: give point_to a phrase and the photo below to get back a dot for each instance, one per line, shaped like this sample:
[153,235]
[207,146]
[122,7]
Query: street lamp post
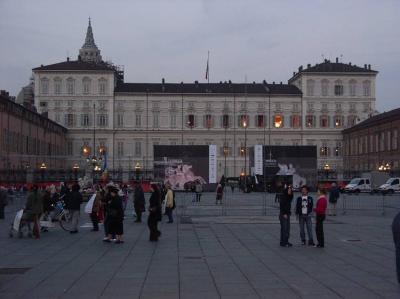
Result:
[137,171]
[327,168]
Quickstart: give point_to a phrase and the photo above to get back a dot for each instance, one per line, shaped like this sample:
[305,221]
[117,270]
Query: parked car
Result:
[391,186]
[358,185]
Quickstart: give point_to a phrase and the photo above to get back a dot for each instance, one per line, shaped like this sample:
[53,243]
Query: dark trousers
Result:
[285,229]
[319,229]
[105,224]
[138,212]
[95,220]
[396,239]
[168,212]
[198,197]
[2,212]
[152,222]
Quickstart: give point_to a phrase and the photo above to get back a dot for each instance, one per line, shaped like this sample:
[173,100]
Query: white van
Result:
[358,185]
[391,186]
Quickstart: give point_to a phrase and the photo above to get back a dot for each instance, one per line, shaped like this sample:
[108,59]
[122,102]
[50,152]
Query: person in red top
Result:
[320,212]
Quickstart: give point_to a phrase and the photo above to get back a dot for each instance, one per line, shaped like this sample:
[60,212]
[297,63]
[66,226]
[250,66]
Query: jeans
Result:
[168,211]
[306,219]
[75,219]
[319,229]
[285,229]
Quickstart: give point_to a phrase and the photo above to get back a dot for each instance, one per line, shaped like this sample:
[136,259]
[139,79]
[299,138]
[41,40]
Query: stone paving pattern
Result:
[219,257]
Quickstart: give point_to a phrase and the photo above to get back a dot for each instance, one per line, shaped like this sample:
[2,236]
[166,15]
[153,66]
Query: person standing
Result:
[139,202]
[199,190]
[115,216]
[169,205]
[154,213]
[334,195]
[396,239]
[74,205]
[304,208]
[34,208]
[220,193]
[3,201]
[94,215]
[320,211]
[285,205]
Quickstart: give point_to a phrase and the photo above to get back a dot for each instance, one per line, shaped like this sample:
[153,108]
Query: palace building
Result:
[124,120]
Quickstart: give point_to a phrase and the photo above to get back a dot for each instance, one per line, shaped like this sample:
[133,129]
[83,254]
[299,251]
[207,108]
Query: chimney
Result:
[337,60]
[281,83]
[308,65]
[325,60]
[273,82]
[350,63]
[230,82]
[254,82]
[294,74]
[365,66]
[67,58]
[163,81]
[300,68]
[369,66]
[264,82]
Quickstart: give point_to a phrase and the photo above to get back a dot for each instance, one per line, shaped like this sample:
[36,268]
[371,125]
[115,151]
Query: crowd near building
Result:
[123,121]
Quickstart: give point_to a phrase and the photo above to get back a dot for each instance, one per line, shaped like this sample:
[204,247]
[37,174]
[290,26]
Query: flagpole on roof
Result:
[208,68]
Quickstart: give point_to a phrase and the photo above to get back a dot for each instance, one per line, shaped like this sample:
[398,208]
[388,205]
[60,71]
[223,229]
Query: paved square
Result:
[214,252]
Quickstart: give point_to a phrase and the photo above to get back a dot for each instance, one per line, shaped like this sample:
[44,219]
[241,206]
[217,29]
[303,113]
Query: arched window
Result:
[86,82]
[70,86]
[57,85]
[324,87]
[44,86]
[367,88]
[353,87]
[102,86]
[310,87]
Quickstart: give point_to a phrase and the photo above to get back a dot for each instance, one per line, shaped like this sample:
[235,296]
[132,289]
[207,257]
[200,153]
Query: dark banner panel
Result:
[182,166]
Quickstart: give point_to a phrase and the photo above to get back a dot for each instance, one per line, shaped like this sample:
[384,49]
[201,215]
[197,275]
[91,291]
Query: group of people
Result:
[304,210]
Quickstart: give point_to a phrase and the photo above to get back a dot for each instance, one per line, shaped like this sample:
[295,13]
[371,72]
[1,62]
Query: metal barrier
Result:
[360,202]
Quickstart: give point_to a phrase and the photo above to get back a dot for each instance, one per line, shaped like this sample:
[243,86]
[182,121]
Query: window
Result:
[173,120]
[310,106]
[43,104]
[208,121]
[102,86]
[394,140]
[225,121]
[190,121]
[324,107]
[57,117]
[352,107]
[338,106]
[102,120]
[352,88]
[260,123]
[310,121]
[338,149]
[351,120]
[70,86]
[243,105]
[57,86]
[382,141]
[86,85]
[85,104]
[120,120]
[57,104]
[120,148]
[173,105]
[367,88]
[295,121]
[138,120]
[44,86]
[324,121]
[70,103]
[324,150]
[338,88]
[70,148]
[102,105]
[367,107]
[156,120]
[338,121]
[243,121]
[242,150]
[69,120]
[278,121]
[84,120]
[324,87]
[296,107]
[310,87]
[138,148]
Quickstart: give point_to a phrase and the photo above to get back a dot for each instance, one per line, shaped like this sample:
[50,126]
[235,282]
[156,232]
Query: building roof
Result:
[333,67]
[208,88]
[375,120]
[76,65]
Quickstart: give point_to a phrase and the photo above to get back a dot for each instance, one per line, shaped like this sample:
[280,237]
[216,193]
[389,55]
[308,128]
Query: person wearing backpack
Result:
[334,195]
[169,206]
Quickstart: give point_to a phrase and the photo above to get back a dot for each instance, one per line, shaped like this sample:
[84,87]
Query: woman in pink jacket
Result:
[320,212]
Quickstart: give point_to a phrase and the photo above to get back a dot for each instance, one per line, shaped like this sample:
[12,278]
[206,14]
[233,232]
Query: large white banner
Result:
[258,159]
[212,168]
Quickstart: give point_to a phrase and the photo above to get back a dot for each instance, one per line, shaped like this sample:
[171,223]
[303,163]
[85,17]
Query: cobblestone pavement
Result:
[206,253]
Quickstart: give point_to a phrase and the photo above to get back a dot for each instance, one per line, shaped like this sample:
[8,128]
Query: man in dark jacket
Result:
[74,205]
[139,202]
[396,239]
[334,195]
[304,208]
[285,205]
[3,201]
